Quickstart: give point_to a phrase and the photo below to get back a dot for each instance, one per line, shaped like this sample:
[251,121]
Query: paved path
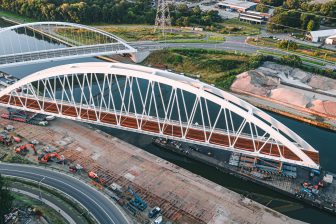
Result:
[98,204]
[47,202]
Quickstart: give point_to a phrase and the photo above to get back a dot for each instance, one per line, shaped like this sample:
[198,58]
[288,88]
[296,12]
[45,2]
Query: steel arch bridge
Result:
[158,103]
[60,40]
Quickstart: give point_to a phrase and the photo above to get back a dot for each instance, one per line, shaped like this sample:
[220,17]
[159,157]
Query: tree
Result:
[291,60]
[286,44]
[311,25]
[262,8]
[272,2]
[292,4]
[6,199]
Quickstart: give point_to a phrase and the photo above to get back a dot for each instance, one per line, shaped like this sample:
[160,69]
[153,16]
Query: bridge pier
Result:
[139,56]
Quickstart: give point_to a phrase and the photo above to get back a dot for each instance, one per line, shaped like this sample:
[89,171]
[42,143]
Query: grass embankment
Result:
[16,17]
[302,49]
[51,215]
[234,27]
[141,33]
[211,66]
[72,205]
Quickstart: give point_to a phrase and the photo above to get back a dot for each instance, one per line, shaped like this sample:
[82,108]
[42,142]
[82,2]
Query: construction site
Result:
[147,187]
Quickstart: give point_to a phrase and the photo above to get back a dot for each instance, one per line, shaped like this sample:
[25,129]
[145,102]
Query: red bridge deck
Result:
[244,144]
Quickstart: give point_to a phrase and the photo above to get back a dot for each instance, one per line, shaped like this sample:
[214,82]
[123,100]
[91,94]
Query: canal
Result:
[322,140]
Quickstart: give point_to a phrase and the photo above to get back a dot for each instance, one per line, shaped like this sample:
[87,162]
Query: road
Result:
[100,206]
[232,43]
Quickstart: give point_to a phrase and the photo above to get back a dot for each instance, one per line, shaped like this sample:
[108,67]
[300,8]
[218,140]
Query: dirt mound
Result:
[254,82]
[323,83]
[290,96]
[326,107]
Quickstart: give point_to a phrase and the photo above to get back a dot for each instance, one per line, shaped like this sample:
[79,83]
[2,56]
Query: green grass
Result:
[303,49]
[235,27]
[132,33]
[15,17]
[211,66]
[51,215]
[73,205]
[193,41]
[17,159]
[280,55]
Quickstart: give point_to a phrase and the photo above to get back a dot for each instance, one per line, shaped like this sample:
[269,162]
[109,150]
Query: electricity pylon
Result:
[162,16]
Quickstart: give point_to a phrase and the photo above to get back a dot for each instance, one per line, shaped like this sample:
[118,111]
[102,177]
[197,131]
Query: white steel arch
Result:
[69,40]
[100,85]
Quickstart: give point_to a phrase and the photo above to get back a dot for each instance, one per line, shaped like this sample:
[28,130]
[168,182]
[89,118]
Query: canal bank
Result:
[182,196]
[322,140]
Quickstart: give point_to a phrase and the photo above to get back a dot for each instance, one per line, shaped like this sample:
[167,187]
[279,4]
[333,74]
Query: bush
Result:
[287,44]
[175,59]
[226,82]
[291,60]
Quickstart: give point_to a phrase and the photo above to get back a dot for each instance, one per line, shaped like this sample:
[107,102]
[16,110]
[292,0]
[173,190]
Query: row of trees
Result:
[298,14]
[284,20]
[105,11]
[184,16]
[83,11]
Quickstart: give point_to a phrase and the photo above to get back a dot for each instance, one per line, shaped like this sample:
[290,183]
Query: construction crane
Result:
[47,157]
[23,149]
[137,201]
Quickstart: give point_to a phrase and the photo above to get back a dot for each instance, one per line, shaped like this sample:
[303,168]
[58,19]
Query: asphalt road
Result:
[100,206]
[232,44]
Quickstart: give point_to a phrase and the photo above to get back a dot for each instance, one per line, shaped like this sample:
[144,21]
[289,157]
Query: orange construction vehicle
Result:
[23,149]
[47,157]
[16,139]
[96,178]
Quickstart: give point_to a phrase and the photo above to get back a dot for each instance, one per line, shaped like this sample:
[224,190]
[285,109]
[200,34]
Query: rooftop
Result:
[323,33]
[241,4]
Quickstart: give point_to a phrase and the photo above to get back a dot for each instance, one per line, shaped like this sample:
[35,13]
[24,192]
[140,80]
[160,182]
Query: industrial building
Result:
[253,17]
[237,5]
[321,35]
[331,40]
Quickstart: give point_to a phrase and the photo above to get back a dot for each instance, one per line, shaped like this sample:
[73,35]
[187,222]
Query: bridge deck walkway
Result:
[169,129]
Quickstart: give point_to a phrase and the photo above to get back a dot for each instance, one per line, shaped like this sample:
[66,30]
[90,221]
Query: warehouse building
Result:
[236,5]
[253,17]
[321,35]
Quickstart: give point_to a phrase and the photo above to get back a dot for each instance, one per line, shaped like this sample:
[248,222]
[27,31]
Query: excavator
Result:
[47,157]
[7,139]
[96,178]
[23,149]
[137,201]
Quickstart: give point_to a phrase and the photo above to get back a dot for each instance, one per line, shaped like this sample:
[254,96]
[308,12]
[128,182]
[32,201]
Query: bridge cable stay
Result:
[159,103]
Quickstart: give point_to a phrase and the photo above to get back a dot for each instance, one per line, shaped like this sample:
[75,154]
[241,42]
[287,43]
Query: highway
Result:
[102,208]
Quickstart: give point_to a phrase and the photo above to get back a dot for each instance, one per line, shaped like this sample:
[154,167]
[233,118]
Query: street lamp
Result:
[40,187]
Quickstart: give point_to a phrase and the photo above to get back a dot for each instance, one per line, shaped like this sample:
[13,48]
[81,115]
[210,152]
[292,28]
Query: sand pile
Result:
[290,96]
[326,107]
[255,82]
[276,82]
[323,83]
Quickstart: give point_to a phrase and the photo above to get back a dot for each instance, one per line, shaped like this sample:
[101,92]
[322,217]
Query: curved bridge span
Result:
[158,103]
[49,41]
